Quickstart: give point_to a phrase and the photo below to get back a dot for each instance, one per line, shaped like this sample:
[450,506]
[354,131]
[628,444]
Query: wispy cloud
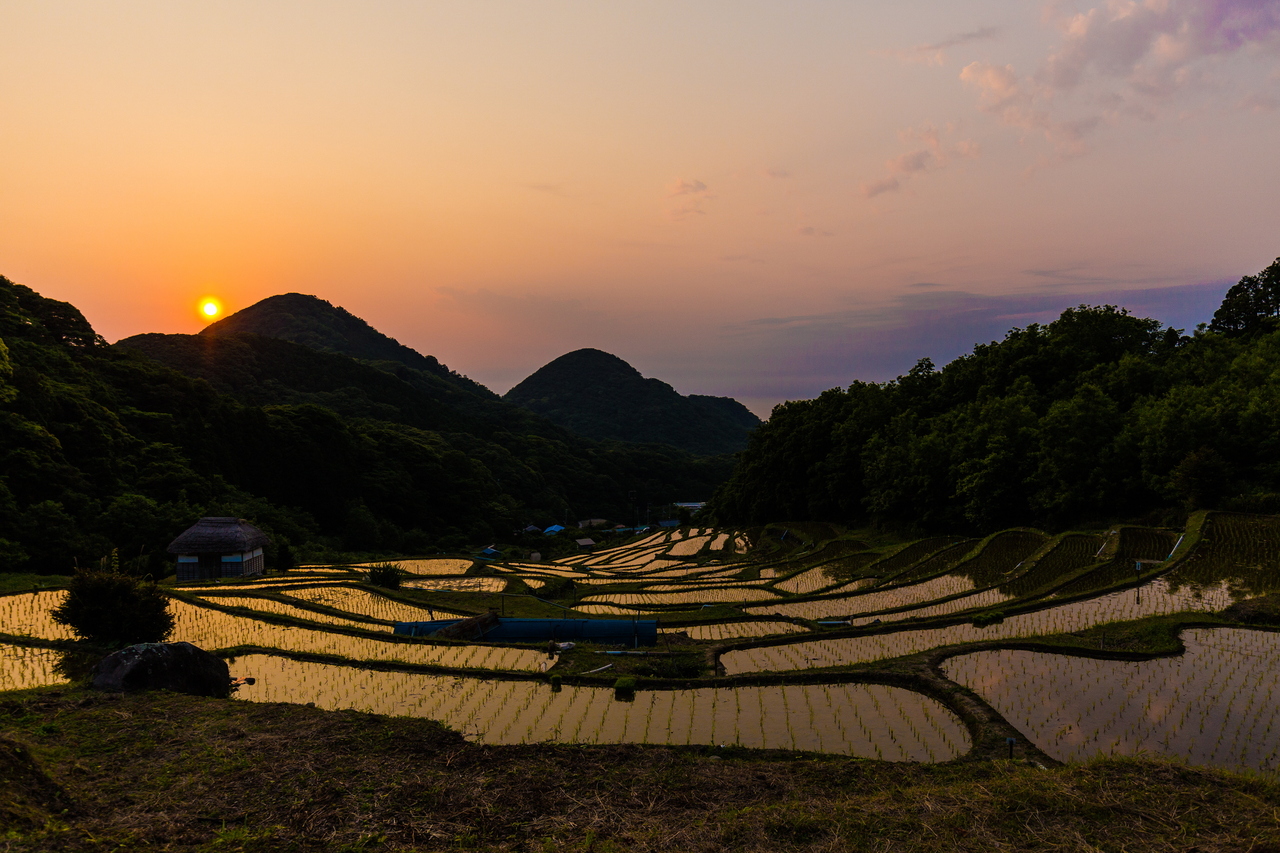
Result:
[930,150]
[935,54]
[1124,59]
[687,198]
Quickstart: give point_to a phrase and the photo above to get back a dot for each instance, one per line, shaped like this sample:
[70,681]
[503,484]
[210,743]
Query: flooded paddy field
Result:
[1152,599]
[719,632]
[22,667]
[869,721]
[1217,704]
[1213,705]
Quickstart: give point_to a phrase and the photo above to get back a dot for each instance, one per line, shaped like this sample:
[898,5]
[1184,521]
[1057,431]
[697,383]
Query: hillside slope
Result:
[123,446]
[1094,417]
[600,396]
[321,325]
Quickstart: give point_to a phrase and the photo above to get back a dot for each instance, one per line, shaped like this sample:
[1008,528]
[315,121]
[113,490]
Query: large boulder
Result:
[180,667]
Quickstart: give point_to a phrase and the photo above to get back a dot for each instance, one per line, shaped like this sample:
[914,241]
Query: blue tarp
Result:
[609,632]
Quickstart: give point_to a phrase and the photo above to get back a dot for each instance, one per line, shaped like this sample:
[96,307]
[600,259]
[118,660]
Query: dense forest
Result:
[599,395]
[1096,417]
[106,447]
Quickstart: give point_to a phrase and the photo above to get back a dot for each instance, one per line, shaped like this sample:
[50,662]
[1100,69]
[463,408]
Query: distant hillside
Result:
[123,446]
[1094,417]
[599,395]
[315,323]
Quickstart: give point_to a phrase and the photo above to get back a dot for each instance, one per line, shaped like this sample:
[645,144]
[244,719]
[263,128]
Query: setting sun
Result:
[210,308]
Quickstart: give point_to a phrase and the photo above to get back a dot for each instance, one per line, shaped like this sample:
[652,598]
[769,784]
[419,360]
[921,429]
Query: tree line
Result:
[1095,417]
[105,447]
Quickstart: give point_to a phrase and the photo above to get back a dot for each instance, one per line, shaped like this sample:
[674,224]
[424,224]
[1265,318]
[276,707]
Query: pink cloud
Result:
[935,54]
[1152,44]
[690,197]
[1152,48]
[930,152]
[682,187]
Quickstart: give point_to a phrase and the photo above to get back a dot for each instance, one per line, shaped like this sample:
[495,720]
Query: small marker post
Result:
[1011,741]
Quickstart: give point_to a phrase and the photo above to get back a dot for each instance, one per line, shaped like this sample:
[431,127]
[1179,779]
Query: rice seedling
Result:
[688,547]
[1153,598]
[214,629]
[364,603]
[708,595]
[279,608]
[719,631]
[1218,704]
[456,584]
[27,614]
[808,582]
[437,566]
[23,667]
[523,712]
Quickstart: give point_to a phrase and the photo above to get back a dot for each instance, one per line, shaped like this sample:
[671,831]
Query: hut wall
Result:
[188,567]
[242,564]
[197,567]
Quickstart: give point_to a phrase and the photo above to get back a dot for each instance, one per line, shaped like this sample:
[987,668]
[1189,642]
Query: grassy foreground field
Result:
[159,771]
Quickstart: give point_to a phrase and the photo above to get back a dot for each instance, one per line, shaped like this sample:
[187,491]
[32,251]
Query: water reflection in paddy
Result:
[29,614]
[1217,704]
[1151,599]
[22,667]
[213,629]
[864,720]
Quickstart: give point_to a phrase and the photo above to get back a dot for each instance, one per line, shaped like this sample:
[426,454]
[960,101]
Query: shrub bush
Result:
[385,575]
[993,617]
[111,608]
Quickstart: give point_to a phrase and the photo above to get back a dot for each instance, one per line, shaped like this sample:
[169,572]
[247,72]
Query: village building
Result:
[219,547]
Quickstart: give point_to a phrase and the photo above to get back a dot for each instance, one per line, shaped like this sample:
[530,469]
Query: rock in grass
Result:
[180,667]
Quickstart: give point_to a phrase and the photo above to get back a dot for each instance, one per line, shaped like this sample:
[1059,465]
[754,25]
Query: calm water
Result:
[1218,704]
[863,720]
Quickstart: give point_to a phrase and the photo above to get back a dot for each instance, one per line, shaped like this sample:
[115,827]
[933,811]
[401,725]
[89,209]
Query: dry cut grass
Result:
[168,772]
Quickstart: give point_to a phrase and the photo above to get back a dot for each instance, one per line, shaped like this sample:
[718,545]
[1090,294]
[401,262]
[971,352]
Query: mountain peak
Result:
[321,325]
[599,395]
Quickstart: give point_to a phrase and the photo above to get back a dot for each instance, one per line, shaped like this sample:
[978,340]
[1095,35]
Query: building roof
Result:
[219,535]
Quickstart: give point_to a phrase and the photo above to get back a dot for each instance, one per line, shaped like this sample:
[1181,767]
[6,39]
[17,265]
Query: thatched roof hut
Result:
[219,546]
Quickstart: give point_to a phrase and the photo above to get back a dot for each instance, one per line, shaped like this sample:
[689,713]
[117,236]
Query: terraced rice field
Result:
[456,584]
[721,631]
[862,720]
[22,667]
[1218,704]
[808,582]
[27,615]
[1214,705]
[280,608]
[1151,599]
[441,566]
[708,595]
[364,603]
[213,629]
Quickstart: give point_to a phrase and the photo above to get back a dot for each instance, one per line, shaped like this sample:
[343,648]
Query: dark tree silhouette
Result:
[1250,303]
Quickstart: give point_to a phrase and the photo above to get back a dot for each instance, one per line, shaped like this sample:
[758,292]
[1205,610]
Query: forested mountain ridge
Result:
[1095,417]
[596,394]
[321,325]
[104,446]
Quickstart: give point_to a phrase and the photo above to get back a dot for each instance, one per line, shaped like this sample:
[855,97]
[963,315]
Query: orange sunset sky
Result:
[760,200]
